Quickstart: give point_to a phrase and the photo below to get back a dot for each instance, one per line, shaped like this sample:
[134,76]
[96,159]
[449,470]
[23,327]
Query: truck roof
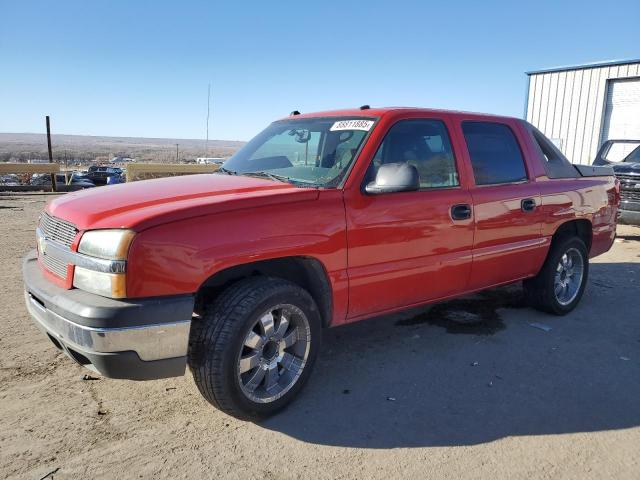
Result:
[382,111]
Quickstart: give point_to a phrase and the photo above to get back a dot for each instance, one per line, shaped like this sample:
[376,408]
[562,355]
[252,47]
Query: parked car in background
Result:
[100,175]
[81,176]
[321,220]
[624,156]
[115,179]
[10,180]
[210,160]
[63,184]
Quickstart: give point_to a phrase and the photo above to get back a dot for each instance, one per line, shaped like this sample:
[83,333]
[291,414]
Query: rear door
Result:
[506,202]
[405,248]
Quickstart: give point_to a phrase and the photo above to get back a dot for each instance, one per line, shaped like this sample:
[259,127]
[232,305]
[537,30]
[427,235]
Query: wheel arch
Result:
[581,228]
[307,272]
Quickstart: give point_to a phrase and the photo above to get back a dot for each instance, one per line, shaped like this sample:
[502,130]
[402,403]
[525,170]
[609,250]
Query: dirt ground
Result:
[427,394]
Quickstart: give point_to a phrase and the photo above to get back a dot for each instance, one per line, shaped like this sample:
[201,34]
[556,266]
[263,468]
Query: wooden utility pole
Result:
[177,161]
[206,145]
[66,169]
[53,175]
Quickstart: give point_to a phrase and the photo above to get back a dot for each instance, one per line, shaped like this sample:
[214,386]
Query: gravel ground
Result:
[427,394]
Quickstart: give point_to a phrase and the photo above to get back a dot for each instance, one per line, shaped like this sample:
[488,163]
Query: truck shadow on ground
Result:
[406,381]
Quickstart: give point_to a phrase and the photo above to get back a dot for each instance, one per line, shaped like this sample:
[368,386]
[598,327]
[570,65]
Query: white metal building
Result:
[580,107]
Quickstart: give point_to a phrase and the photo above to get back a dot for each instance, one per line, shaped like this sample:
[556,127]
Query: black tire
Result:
[539,290]
[217,342]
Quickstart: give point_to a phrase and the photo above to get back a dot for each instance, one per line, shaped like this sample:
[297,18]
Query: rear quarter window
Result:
[554,162]
[495,154]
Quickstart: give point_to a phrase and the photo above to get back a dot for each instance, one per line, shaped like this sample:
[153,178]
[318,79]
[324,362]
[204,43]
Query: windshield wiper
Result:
[271,176]
[260,174]
[226,171]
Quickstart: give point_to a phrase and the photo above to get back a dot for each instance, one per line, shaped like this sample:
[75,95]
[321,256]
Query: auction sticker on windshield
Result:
[352,125]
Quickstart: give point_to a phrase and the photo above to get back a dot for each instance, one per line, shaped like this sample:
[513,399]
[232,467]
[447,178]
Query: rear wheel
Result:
[254,347]
[560,284]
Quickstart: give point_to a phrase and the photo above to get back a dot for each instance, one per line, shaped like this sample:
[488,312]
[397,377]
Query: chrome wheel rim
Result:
[274,353]
[568,277]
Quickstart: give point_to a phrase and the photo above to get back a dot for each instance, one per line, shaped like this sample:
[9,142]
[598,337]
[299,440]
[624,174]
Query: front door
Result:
[406,248]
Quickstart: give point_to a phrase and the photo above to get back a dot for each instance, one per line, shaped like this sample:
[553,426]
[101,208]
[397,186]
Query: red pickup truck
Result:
[320,220]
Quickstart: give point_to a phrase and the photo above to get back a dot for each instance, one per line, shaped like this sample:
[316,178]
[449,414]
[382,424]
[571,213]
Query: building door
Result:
[622,111]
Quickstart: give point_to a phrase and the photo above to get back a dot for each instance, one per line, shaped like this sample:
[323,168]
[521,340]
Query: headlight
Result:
[107,244]
[111,285]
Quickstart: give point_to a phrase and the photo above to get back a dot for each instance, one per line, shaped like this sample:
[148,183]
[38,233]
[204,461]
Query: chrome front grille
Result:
[61,232]
[58,230]
[628,178]
[629,182]
[630,195]
[55,265]
[629,187]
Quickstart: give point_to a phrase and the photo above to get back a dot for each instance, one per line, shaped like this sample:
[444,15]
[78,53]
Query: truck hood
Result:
[144,204]
[627,168]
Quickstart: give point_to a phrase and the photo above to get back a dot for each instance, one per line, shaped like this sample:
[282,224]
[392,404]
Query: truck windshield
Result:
[306,151]
[633,157]
[625,151]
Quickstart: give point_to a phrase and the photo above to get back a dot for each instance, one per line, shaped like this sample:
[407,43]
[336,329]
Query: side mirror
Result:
[394,177]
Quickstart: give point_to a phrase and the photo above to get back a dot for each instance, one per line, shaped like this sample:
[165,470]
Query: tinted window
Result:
[424,144]
[555,163]
[495,154]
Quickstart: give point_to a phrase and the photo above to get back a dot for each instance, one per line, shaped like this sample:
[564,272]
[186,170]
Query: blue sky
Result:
[126,68]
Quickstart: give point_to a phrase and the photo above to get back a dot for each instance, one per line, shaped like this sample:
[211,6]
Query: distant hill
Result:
[84,148]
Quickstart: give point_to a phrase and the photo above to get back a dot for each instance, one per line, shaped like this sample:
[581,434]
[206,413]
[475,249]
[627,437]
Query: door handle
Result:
[528,205]
[461,211]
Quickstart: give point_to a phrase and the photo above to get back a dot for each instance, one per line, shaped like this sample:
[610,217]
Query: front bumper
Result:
[629,217]
[136,339]
[629,212]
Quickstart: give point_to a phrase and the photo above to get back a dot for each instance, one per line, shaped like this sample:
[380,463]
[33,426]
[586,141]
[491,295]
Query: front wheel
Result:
[560,284]
[254,347]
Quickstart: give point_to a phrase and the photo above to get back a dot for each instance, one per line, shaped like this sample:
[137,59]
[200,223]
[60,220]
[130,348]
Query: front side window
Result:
[424,144]
[495,154]
[306,151]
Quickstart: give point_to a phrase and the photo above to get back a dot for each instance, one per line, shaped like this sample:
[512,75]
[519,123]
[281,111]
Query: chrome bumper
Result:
[150,342]
[629,217]
[137,339]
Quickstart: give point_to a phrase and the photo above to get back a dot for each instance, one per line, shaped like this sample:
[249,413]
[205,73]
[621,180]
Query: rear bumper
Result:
[138,339]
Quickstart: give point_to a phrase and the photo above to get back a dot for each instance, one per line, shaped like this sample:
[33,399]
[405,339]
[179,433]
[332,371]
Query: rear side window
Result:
[495,154]
[555,163]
